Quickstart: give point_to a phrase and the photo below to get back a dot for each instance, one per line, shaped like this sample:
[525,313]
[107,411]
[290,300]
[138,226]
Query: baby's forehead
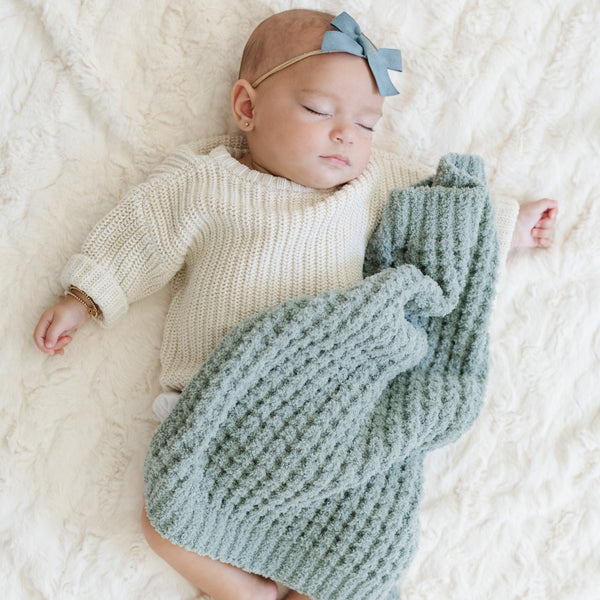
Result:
[337,77]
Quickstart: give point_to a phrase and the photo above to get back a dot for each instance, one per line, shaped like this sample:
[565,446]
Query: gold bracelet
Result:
[92,310]
[73,288]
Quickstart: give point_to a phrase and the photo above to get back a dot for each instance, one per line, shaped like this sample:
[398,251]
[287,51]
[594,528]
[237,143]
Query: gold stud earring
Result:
[246,124]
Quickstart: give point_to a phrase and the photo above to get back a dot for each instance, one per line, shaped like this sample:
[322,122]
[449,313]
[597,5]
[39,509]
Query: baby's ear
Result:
[242,104]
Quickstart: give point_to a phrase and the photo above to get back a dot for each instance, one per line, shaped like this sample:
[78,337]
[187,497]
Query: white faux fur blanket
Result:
[95,93]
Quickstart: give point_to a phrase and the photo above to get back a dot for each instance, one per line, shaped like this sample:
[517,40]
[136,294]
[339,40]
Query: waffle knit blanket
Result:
[296,452]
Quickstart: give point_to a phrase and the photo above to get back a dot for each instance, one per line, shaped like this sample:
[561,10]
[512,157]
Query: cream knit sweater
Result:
[233,242]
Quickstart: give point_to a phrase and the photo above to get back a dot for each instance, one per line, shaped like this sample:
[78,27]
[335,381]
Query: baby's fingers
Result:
[544,230]
[543,233]
[40,332]
[50,335]
[57,335]
[542,242]
[62,341]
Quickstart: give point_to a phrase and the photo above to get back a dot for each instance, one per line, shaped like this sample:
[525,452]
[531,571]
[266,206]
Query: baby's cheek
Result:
[362,159]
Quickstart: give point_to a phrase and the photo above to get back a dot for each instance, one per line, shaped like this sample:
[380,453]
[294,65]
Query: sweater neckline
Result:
[224,155]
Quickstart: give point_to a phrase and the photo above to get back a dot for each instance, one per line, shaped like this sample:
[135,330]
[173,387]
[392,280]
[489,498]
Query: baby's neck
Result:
[247,161]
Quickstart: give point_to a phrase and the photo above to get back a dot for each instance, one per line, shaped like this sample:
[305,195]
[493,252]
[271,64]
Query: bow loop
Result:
[350,39]
[336,41]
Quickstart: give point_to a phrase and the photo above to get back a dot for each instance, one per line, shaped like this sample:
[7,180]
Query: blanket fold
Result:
[296,451]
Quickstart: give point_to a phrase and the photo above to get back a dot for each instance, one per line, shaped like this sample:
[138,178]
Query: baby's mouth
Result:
[336,159]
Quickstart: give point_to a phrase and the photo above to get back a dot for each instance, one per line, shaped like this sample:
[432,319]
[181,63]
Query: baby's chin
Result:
[326,181]
[327,177]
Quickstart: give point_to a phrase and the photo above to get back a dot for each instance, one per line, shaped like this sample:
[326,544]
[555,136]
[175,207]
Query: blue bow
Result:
[350,39]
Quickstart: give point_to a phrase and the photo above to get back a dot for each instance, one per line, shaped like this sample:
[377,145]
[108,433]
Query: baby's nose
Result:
[342,133]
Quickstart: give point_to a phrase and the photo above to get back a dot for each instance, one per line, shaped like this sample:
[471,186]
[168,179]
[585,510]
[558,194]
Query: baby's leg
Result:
[217,579]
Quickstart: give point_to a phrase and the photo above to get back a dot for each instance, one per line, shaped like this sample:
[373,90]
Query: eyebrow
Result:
[366,110]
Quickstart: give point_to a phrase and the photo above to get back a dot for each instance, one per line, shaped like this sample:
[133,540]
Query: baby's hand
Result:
[51,334]
[536,224]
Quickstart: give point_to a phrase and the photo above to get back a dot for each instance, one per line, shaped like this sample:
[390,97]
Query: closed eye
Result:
[315,112]
[321,114]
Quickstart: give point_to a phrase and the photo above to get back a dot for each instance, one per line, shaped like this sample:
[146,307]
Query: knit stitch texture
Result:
[296,451]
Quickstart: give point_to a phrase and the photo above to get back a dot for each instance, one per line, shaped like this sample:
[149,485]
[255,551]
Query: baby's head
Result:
[310,121]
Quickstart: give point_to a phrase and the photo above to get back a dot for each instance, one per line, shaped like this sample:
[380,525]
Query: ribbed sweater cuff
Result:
[507,211]
[82,272]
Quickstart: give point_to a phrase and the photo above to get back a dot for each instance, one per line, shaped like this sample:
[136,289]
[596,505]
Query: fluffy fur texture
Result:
[95,94]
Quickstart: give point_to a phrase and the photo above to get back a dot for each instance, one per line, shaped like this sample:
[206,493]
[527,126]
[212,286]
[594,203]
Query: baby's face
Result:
[313,122]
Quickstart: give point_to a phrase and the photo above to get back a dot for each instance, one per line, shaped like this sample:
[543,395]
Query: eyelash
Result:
[320,114]
[316,112]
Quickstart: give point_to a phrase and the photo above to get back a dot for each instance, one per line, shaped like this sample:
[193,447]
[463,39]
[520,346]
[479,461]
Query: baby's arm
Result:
[134,251]
[535,224]
[54,329]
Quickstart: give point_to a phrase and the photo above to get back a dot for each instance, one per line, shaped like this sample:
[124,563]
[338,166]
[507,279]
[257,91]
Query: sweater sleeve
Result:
[139,246]
[506,212]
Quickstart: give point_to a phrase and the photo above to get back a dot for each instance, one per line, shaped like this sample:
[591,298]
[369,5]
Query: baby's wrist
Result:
[75,309]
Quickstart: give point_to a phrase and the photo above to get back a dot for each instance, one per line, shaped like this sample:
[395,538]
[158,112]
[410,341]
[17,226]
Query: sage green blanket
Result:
[296,452]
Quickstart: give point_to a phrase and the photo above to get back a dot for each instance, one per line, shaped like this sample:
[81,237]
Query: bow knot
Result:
[350,39]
